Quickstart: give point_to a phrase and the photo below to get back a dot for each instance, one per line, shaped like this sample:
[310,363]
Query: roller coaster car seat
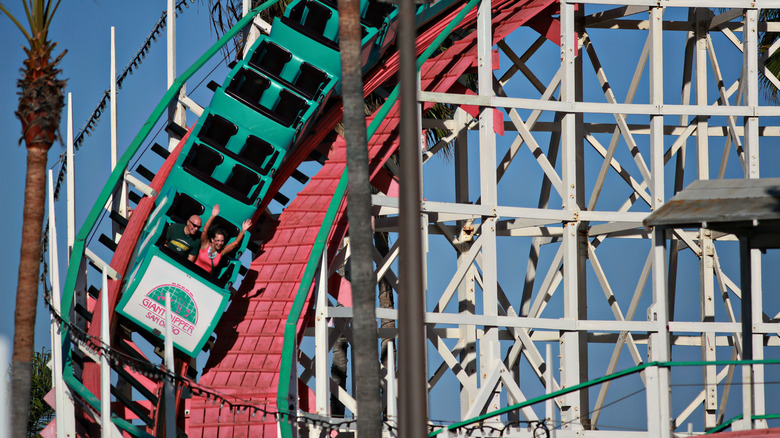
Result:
[310,80]
[242,180]
[310,18]
[290,107]
[376,13]
[248,86]
[270,58]
[317,16]
[311,14]
[202,160]
[259,154]
[182,207]
[217,131]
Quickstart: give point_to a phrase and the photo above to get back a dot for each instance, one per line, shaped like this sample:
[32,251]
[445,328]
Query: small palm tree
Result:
[773,61]
[40,107]
[41,413]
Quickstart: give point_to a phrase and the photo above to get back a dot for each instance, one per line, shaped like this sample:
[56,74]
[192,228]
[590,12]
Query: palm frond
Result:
[41,413]
[772,63]
[15,21]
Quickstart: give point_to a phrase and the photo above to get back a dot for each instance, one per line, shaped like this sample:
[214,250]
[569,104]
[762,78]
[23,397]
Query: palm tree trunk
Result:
[27,289]
[338,372]
[369,418]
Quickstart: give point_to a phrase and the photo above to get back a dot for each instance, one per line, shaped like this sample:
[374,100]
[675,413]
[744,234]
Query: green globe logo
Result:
[182,303]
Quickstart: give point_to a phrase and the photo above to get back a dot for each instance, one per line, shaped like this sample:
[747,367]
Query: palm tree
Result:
[773,60]
[41,413]
[40,106]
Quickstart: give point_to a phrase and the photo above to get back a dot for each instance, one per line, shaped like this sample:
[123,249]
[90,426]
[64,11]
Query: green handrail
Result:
[77,253]
[602,379]
[285,366]
[728,423]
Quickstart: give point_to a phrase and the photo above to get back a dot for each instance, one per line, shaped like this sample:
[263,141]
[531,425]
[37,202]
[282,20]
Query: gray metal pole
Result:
[63,403]
[745,271]
[746,280]
[176,112]
[105,367]
[169,389]
[112,102]
[70,179]
[412,385]
[369,415]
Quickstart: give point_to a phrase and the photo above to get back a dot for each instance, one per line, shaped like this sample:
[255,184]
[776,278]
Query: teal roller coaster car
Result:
[261,112]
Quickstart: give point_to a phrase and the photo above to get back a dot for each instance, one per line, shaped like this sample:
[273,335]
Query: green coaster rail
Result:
[607,378]
[739,417]
[289,346]
[77,254]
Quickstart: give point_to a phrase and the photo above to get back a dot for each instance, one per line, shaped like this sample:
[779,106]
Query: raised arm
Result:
[204,235]
[232,245]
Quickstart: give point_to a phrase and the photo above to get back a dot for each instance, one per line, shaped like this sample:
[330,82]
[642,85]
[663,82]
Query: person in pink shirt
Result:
[212,248]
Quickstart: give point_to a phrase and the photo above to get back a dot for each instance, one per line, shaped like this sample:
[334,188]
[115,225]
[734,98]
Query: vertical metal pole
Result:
[746,280]
[62,402]
[466,295]
[707,312]
[251,33]
[489,347]
[105,368]
[392,401]
[707,260]
[170,39]
[573,409]
[112,100]
[170,390]
[750,85]
[122,207]
[577,162]
[118,200]
[321,341]
[412,390]
[246,5]
[69,175]
[702,143]
[548,377]
[679,173]
[757,349]
[754,293]
[745,263]
[659,349]
[423,215]
[176,112]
